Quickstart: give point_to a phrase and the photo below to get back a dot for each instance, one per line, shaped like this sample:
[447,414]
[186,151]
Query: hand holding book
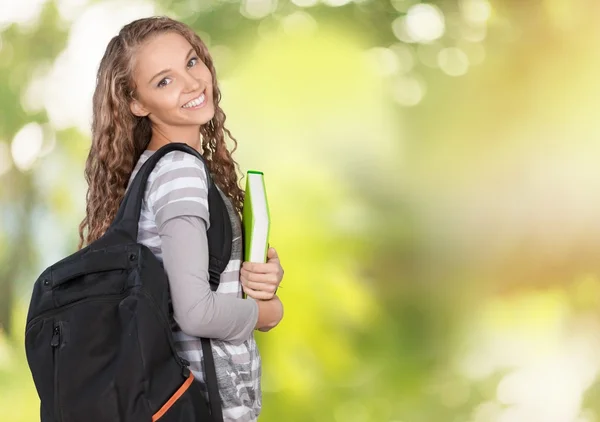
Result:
[261,280]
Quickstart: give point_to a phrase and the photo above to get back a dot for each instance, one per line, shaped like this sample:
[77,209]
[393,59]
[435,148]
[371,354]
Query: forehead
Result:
[160,52]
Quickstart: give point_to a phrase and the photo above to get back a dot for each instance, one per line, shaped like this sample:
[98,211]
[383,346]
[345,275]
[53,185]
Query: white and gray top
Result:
[173,223]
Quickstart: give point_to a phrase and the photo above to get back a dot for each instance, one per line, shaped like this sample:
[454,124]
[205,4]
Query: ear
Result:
[138,109]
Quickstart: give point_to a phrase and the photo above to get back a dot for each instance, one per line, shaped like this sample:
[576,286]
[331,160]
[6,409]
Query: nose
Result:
[191,84]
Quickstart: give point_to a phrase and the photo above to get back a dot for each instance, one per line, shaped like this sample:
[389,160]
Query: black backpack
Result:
[98,337]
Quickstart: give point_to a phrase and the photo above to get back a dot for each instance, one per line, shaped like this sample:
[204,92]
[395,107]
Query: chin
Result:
[208,117]
[200,116]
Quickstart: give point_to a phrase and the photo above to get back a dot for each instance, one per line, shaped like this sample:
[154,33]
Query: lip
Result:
[196,97]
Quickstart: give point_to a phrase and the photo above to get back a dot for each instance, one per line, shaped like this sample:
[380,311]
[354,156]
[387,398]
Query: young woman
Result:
[157,84]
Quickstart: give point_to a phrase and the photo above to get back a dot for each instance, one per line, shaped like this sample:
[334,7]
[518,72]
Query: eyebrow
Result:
[162,72]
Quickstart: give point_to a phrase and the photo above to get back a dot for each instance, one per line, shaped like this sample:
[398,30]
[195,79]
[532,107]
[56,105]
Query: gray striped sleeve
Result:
[179,188]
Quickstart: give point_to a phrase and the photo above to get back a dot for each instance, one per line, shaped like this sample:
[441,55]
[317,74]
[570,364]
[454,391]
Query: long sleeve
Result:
[198,310]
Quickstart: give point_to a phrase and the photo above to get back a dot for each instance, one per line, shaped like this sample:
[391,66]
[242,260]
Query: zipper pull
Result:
[185,371]
[55,337]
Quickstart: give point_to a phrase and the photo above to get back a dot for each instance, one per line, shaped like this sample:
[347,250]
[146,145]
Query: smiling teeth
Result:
[195,102]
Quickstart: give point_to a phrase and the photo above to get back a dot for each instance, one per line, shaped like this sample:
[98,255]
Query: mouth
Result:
[197,102]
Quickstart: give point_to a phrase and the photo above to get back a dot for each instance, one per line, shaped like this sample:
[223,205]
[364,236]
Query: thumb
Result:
[272,254]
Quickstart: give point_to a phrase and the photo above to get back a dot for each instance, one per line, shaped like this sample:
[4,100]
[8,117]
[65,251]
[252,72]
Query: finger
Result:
[272,255]
[260,267]
[260,287]
[255,294]
[269,278]
[256,267]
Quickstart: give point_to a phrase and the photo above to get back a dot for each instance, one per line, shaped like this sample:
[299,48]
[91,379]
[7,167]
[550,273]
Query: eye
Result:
[163,82]
[193,61]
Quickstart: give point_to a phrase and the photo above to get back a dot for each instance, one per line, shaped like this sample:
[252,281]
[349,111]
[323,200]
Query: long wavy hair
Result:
[119,137]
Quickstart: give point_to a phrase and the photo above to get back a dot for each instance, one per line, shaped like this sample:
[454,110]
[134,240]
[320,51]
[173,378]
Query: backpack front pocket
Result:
[105,409]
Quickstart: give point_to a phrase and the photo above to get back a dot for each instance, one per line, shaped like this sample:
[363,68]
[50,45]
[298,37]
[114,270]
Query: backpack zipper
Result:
[55,341]
[108,298]
[52,312]
[55,344]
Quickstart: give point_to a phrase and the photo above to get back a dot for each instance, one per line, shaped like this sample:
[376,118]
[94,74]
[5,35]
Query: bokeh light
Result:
[26,145]
[424,22]
[453,61]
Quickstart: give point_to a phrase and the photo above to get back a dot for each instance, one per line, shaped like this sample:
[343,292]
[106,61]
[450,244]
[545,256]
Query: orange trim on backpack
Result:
[173,398]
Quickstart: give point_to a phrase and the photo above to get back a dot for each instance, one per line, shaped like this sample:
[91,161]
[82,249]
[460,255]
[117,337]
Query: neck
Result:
[162,135]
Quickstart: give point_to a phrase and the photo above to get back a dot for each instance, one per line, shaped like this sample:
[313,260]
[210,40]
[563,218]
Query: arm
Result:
[270,314]
[178,199]
[197,309]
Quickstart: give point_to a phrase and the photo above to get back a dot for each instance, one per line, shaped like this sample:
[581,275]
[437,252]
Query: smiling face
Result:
[173,86]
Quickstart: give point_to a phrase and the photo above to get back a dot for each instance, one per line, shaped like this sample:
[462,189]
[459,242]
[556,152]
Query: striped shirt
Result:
[177,187]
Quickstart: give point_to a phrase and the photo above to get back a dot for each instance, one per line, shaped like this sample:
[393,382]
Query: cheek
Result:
[165,100]
[203,73]
[171,97]
[207,75]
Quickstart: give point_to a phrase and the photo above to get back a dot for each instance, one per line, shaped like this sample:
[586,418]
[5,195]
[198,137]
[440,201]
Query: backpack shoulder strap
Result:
[219,237]
[219,233]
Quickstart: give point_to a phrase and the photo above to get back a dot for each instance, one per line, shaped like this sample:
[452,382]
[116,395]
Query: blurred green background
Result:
[432,170]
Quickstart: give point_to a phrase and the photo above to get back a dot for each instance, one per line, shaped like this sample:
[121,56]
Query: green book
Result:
[255,218]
